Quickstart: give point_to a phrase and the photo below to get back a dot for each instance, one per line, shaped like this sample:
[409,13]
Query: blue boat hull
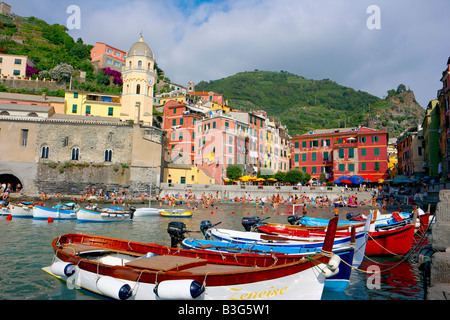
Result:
[339,282]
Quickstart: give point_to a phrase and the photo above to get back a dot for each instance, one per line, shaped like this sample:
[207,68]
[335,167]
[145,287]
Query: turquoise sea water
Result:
[26,248]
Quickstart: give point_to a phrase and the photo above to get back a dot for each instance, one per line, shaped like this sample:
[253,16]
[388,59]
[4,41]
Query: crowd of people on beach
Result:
[212,200]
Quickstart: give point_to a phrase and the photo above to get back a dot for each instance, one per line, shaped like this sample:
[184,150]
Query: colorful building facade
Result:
[431,137]
[444,103]
[14,66]
[342,152]
[92,104]
[106,56]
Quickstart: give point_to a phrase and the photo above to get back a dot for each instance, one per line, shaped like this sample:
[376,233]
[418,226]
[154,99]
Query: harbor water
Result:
[26,248]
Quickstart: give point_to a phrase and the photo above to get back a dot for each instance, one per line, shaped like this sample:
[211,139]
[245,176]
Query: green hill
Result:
[49,46]
[304,104]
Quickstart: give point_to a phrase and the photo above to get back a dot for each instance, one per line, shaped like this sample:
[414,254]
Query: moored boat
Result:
[175,213]
[4,210]
[122,269]
[147,211]
[388,237]
[58,212]
[21,210]
[104,214]
[294,244]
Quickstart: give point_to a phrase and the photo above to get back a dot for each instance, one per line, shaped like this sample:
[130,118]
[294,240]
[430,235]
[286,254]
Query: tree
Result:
[306,177]
[294,176]
[280,176]
[401,88]
[234,171]
[322,178]
[61,72]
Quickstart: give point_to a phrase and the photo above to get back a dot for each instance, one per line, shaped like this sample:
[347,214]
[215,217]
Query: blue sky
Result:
[211,39]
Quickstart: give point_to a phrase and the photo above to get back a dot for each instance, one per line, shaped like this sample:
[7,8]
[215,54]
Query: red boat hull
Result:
[391,242]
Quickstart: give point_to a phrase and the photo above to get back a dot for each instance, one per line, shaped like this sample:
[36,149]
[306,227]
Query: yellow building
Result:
[186,174]
[91,103]
[139,77]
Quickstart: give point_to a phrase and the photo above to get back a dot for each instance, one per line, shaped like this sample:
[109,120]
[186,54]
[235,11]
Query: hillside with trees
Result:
[304,104]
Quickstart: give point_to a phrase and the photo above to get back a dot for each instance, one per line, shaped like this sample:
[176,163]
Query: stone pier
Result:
[440,261]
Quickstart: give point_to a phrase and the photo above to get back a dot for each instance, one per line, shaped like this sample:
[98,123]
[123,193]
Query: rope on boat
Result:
[405,257]
[204,280]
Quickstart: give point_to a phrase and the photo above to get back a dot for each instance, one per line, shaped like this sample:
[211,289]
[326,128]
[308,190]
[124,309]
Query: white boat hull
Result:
[99,216]
[20,211]
[304,285]
[42,213]
[145,212]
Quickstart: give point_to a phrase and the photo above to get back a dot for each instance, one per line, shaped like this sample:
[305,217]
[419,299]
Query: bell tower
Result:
[139,76]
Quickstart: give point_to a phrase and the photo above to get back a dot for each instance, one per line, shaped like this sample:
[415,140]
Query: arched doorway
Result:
[12,180]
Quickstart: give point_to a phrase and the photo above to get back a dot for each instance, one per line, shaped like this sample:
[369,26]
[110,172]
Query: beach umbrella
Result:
[357,179]
[338,180]
[260,180]
[380,181]
[346,181]
[272,179]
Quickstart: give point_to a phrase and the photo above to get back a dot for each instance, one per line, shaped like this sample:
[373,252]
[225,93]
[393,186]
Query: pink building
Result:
[179,124]
[216,146]
[104,56]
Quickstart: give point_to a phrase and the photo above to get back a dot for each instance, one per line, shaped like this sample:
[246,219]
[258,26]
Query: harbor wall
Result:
[232,191]
[440,260]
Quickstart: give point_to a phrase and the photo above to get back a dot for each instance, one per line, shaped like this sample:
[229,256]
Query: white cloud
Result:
[208,40]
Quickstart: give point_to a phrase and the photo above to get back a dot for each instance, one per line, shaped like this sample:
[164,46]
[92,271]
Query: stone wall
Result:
[91,140]
[32,84]
[440,266]
[77,178]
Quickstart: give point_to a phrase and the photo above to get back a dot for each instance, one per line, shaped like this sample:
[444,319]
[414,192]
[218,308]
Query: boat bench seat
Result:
[77,248]
[166,263]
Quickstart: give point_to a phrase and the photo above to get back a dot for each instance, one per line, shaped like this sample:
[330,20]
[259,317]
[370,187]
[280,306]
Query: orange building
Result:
[104,56]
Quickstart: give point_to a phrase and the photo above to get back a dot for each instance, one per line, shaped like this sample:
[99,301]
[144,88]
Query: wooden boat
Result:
[58,212]
[390,239]
[96,214]
[21,210]
[175,213]
[338,282]
[293,244]
[122,269]
[394,241]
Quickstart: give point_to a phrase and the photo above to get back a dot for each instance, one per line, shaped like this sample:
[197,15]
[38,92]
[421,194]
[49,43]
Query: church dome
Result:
[140,48]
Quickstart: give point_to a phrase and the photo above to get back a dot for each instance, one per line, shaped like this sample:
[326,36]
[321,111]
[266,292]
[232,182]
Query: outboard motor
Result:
[355,216]
[250,223]
[132,209]
[350,216]
[176,230]
[204,226]
[293,220]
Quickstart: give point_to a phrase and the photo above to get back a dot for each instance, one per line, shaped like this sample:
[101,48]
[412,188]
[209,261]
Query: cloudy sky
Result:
[403,41]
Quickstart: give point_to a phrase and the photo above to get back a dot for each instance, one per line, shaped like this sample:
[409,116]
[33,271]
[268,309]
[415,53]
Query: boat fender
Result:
[114,288]
[62,268]
[329,273]
[334,262]
[178,289]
